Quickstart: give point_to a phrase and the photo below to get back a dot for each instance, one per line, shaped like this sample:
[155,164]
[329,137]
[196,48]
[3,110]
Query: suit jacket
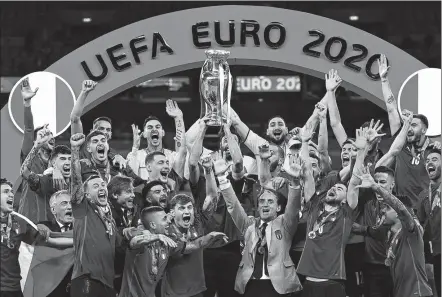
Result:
[279,235]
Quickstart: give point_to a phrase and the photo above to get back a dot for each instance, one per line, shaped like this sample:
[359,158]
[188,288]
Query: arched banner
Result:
[254,35]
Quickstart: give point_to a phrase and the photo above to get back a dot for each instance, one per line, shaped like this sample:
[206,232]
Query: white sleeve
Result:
[253,141]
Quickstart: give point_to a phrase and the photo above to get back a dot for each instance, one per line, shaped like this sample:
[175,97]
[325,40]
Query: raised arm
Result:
[28,137]
[264,174]
[235,152]
[392,107]
[211,200]
[77,111]
[132,160]
[353,190]
[34,179]
[291,214]
[250,139]
[175,112]
[76,183]
[196,151]
[404,215]
[364,139]
[323,139]
[332,82]
[234,207]
[399,142]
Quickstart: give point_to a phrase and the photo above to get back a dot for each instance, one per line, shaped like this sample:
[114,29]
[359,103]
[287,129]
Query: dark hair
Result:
[277,116]
[151,156]
[385,169]
[432,150]
[148,186]
[59,150]
[281,200]
[118,184]
[4,181]
[106,119]
[314,156]
[348,140]
[422,118]
[94,133]
[92,176]
[181,199]
[146,212]
[150,118]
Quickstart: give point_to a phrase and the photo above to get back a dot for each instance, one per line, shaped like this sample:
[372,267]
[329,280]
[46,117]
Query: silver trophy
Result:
[216,87]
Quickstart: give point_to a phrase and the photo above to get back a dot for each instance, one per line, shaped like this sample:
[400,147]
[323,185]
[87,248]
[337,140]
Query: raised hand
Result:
[278,182]
[136,135]
[366,179]
[321,110]
[26,91]
[220,166]
[216,236]
[207,162]
[332,80]
[77,140]
[88,85]
[120,161]
[167,241]
[296,165]
[361,141]
[264,151]
[172,109]
[383,66]
[437,145]
[406,116]
[58,181]
[372,133]
[43,136]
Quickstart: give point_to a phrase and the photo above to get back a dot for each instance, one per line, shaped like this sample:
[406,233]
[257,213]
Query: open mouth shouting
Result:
[163,201]
[277,133]
[265,212]
[345,160]
[155,136]
[102,197]
[163,174]
[431,169]
[66,169]
[101,150]
[187,220]
[331,195]
[68,216]
[10,202]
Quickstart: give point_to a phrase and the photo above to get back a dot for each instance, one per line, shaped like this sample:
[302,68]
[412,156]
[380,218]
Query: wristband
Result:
[298,187]
[222,179]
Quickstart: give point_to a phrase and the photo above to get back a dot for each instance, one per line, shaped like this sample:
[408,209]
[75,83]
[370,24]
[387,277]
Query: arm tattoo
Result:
[391,99]
[77,192]
[404,215]
[210,205]
[143,239]
[25,168]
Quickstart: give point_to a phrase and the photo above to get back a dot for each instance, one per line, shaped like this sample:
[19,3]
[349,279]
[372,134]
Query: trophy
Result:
[216,87]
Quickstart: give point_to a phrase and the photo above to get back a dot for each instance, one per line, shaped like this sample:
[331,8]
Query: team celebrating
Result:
[85,221]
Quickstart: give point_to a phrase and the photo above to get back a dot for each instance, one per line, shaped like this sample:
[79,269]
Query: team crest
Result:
[278,234]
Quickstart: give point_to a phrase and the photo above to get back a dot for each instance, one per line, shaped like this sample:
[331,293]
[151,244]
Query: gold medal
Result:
[261,250]
[312,235]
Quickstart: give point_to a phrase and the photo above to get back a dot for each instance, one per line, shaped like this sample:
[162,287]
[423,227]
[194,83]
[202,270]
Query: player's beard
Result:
[273,140]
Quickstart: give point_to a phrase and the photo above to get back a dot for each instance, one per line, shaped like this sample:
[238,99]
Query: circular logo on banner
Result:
[421,93]
[51,99]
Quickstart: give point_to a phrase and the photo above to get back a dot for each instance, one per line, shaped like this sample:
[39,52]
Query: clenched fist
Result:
[77,140]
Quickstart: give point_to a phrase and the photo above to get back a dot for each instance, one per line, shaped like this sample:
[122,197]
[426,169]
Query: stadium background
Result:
[36,34]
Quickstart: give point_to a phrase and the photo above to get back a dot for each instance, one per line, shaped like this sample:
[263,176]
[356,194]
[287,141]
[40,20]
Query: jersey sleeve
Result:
[253,141]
